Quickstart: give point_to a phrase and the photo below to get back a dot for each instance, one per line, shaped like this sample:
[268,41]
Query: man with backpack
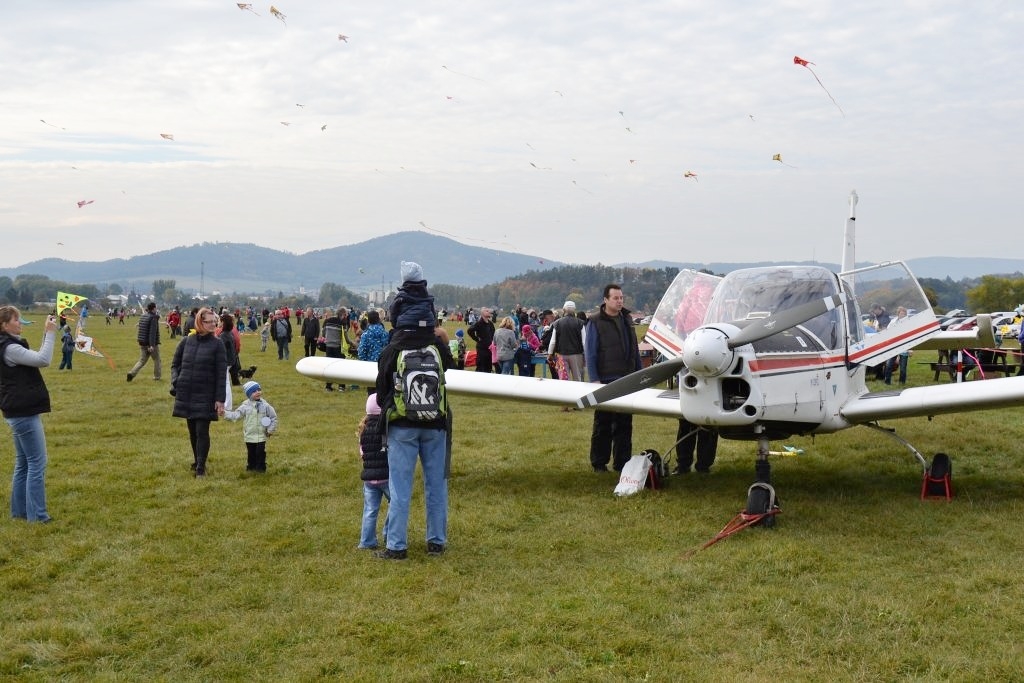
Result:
[417,423]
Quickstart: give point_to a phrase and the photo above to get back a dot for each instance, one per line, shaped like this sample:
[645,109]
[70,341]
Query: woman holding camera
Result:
[23,399]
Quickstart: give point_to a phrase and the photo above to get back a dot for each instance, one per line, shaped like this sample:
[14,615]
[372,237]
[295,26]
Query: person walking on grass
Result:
[148,338]
[199,385]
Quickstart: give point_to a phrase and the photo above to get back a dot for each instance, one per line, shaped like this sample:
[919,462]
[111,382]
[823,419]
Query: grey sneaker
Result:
[389,554]
[435,549]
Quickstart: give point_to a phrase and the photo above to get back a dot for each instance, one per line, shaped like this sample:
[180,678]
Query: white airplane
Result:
[762,354]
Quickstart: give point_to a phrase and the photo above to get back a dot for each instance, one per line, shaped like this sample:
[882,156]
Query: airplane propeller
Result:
[783,320]
[635,381]
[755,331]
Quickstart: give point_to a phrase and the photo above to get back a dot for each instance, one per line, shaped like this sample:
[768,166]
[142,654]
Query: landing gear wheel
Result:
[759,502]
[938,480]
[941,467]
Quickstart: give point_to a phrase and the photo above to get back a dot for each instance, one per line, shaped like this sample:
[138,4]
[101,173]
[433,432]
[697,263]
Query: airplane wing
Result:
[935,399]
[658,402]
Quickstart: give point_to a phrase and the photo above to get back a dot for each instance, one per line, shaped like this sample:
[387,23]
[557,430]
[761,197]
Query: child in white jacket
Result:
[259,421]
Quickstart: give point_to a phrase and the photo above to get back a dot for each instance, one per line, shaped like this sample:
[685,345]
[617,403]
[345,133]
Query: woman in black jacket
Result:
[198,374]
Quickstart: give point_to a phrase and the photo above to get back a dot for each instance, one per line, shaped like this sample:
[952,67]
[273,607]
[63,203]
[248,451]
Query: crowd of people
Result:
[397,432]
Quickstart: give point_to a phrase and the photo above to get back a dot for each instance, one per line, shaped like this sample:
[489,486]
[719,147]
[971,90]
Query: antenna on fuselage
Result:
[850,236]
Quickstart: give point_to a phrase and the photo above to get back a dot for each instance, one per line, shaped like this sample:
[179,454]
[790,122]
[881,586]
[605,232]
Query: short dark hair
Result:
[372,317]
[151,306]
[609,287]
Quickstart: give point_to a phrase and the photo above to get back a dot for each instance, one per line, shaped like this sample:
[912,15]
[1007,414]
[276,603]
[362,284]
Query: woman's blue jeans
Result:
[28,491]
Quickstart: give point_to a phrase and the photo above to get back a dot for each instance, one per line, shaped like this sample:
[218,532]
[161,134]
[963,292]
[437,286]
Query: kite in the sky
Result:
[277,13]
[577,186]
[343,37]
[66,300]
[286,123]
[469,239]
[778,158]
[247,6]
[807,65]
[166,136]
[463,75]
[85,202]
[323,127]
[691,174]
[50,124]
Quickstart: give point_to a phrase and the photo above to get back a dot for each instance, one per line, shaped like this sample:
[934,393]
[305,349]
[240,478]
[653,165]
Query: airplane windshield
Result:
[886,295]
[681,310]
[754,293]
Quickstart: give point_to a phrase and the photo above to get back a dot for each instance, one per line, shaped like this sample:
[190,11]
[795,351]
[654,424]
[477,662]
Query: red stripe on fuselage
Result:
[910,334]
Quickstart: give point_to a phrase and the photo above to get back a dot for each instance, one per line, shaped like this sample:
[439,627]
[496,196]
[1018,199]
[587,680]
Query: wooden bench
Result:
[1006,369]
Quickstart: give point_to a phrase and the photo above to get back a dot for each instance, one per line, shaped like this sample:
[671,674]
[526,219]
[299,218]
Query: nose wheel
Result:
[762,504]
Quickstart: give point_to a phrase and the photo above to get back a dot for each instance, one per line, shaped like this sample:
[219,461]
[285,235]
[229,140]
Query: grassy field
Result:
[150,574]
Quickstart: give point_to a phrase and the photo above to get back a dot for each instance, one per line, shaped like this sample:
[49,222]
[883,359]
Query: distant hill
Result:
[231,267]
[374,265]
[941,267]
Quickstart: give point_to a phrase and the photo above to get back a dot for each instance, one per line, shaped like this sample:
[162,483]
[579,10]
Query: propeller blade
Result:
[635,381]
[783,320]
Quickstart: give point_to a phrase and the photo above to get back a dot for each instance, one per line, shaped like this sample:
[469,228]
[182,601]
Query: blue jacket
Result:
[372,342]
[413,307]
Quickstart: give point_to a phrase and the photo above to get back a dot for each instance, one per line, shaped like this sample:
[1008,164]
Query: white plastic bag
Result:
[634,475]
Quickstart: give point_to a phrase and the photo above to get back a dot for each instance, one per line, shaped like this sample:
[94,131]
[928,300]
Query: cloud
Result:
[447,114]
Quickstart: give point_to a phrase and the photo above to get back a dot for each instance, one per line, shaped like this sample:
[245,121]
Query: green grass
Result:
[150,574]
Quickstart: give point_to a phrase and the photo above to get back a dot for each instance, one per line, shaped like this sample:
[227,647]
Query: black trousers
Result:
[612,438]
[689,438]
[483,359]
[257,456]
[199,438]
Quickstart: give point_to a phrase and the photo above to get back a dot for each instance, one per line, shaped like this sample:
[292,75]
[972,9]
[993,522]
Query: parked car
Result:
[1005,325]
[948,323]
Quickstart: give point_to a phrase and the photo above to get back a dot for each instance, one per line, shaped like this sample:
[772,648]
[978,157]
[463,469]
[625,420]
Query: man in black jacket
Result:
[482,332]
[612,351]
[149,342]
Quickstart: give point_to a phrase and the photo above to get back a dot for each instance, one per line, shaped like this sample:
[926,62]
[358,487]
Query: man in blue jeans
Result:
[410,436]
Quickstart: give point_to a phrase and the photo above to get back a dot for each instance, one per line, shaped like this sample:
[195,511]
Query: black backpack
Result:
[419,385]
[658,474]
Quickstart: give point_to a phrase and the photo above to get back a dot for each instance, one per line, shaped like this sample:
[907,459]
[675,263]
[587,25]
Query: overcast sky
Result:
[557,128]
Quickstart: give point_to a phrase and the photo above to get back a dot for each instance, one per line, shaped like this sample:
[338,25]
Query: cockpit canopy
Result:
[882,293]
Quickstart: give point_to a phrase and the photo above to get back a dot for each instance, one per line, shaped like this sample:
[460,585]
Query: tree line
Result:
[538,289]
